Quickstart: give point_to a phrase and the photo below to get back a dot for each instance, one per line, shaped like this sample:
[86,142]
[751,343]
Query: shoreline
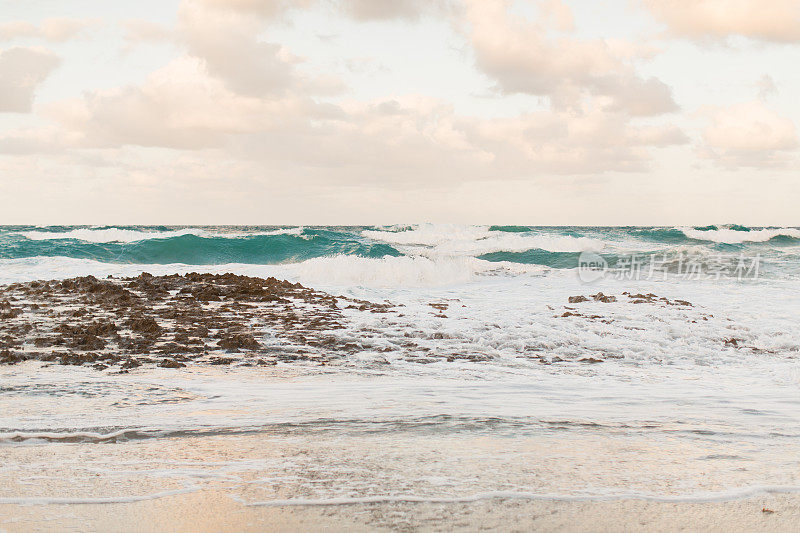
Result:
[210,510]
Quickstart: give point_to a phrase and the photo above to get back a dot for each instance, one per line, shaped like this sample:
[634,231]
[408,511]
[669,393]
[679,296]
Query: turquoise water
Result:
[554,247]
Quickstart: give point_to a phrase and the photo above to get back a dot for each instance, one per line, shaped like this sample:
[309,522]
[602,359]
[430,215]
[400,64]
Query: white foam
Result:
[429,234]
[127,235]
[476,240]
[71,436]
[106,235]
[403,271]
[338,270]
[731,236]
[700,497]
[89,501]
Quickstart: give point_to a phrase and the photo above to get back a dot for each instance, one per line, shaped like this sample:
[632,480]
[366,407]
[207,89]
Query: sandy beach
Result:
[211,511]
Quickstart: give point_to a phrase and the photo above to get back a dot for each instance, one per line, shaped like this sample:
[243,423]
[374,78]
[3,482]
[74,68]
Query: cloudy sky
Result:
[384,111]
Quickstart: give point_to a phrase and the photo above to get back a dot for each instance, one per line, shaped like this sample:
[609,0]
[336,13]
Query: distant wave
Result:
[114,234]
[476,240]
[732,234]
[190,248]
[741,234]
[409,255]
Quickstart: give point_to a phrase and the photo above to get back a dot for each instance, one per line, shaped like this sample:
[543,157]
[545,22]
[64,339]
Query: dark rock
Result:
[145,326]
[238,342]
[87,342]
[8,357]
[578,299]
[130,363]
[171,363]
[101,328]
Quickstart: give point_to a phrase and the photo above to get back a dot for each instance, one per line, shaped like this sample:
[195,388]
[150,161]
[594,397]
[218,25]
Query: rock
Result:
[578,299]
[101,328]
[234,343]
[600,297]
[145,326]
[76,359]
[8,357]
[9,312]
[87,341]
[590,360]
[130,363]
[170,363]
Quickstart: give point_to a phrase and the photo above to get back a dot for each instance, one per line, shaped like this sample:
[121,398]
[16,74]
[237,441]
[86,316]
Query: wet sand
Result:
[345,482]
[208,511]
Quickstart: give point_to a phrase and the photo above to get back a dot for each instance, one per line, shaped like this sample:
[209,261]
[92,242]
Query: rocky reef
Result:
[172,320]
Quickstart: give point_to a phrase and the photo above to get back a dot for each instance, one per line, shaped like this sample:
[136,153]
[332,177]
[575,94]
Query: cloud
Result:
[590,141]
[53,29]
[178,106]
[360,10]
[748,135]
[521,57]
[365,10]
[145,31]
[402,141]
[767,20]
[262,8]
[228,43]
[238,99]
[22,70]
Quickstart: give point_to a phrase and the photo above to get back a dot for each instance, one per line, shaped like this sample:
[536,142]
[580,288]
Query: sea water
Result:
[501,389]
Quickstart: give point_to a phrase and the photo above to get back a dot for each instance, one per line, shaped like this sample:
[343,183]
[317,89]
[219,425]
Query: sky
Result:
[549,112]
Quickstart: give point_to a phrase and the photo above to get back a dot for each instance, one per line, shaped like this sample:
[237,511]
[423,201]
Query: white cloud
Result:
[361,10]
[522,57]
[390,9]
[768,20]
[143,31]
[178,106]
[228,43]
[748,135]
[22,70]
[262,8]
[52,29]
[398,142]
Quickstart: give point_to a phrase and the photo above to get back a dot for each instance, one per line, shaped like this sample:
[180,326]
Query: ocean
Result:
[555,363]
